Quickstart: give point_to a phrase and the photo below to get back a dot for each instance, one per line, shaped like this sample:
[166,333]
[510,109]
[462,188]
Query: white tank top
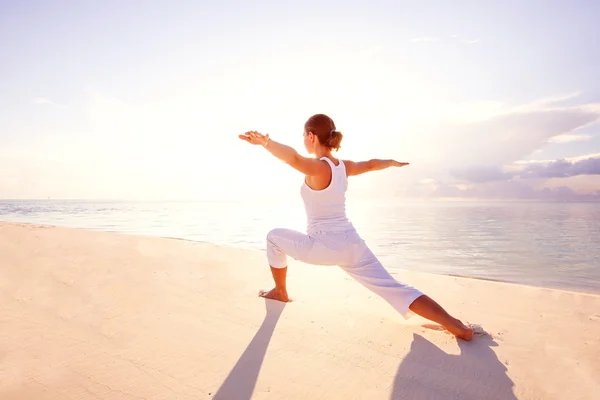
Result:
[326,209]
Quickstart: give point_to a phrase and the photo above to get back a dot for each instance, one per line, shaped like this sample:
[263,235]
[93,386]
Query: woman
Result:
[331,238]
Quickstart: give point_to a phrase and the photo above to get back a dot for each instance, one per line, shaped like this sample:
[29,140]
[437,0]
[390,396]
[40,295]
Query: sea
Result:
[544,244]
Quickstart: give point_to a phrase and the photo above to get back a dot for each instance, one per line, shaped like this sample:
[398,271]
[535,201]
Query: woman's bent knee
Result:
[273,234]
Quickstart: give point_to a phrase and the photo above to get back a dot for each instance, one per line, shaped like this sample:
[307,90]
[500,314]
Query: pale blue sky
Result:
[144,99]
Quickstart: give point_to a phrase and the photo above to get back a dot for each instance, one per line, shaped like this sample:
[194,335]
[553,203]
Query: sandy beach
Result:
[89,314]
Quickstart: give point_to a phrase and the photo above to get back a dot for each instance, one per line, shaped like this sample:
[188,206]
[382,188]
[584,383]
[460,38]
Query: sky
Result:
[145,100]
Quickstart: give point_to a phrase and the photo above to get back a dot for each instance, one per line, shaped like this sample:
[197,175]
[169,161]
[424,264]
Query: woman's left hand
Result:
[255,138]
[398,164]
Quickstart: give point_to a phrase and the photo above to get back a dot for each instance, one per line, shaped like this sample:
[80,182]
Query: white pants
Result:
[346,250]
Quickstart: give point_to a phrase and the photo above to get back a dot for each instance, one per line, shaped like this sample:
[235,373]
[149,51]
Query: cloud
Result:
[42,101]
[532,170]
[562,169]
[548,102]
[580,158]
[508,134]
[479,149]
[424,39]
[484,145]
[579,183]
[567,138]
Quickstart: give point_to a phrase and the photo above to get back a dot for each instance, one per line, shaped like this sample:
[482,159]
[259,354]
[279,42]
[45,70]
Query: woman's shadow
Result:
[241,381]
[428,372]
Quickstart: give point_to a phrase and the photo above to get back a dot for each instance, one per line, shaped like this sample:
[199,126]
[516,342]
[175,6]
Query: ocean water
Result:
[554,245]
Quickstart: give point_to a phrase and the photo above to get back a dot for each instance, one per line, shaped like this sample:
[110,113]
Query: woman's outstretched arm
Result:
[287,154]
[357,168]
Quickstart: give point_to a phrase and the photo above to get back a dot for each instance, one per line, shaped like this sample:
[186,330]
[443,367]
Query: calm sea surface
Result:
[543,244]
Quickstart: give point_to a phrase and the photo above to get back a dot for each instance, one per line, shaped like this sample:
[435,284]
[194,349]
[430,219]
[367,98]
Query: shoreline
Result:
[392,272]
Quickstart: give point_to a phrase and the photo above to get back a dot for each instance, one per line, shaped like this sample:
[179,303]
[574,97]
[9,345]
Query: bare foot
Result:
[461,330]
[464,332]
[275,294]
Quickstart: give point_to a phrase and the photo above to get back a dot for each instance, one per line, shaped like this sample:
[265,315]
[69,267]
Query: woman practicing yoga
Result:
[331,238]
